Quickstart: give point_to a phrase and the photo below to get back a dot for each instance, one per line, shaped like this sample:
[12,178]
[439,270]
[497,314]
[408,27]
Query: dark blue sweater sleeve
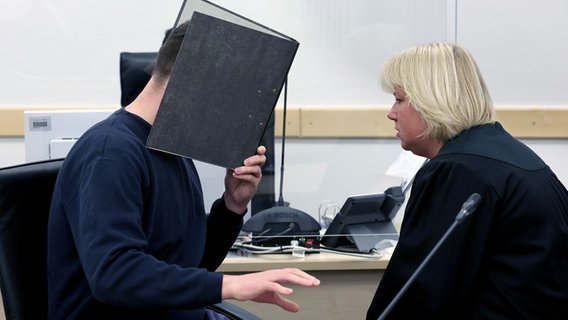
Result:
[223,227]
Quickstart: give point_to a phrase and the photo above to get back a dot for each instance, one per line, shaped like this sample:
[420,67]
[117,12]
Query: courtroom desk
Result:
[347,284]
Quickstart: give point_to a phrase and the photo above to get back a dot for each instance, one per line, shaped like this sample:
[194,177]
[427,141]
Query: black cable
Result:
[283,232]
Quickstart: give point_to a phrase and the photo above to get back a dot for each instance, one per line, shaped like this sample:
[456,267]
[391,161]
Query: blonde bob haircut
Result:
[444,85]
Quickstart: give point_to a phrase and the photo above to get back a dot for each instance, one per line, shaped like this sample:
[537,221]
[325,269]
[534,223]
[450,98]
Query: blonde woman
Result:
[509,259]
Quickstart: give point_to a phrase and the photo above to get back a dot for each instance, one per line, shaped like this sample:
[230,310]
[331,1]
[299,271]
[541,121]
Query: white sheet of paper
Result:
[406,166]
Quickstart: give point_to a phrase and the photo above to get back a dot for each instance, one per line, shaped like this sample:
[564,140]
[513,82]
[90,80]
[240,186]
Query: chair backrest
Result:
[25,198]
[135,71]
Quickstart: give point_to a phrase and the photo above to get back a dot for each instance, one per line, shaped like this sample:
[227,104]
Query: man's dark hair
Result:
[169,51]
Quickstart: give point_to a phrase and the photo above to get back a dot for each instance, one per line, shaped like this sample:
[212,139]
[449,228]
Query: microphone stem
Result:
[467,209]
[417,271]
[280,197]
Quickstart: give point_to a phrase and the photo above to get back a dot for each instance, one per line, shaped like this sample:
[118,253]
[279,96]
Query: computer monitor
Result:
[364,220]
[50,134]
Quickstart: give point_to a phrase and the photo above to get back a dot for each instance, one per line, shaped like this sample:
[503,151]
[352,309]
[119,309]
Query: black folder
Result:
[224,86]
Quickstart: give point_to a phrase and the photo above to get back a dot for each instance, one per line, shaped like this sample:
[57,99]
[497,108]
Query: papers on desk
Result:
[406,166]
[385,248]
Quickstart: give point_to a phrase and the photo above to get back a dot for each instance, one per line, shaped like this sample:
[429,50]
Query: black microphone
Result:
[467,209]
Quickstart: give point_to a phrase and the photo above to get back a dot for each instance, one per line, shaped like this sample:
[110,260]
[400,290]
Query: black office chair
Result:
[25,198]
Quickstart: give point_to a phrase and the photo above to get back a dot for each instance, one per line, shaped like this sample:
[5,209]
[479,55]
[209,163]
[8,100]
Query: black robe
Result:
[508,260]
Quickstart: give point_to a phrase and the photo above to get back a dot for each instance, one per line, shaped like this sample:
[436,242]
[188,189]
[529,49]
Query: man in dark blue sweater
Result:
[129,237]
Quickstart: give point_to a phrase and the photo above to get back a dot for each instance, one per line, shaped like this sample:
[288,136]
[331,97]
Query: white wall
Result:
[65,52]
[521,47]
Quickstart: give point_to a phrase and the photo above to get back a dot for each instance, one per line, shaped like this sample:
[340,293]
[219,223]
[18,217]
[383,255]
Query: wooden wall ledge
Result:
[357,122]
[521,122]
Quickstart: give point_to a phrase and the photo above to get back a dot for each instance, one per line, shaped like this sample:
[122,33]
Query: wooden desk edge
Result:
[311,262]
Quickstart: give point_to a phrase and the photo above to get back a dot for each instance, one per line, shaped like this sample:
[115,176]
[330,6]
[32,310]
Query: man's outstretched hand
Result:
[266,286]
